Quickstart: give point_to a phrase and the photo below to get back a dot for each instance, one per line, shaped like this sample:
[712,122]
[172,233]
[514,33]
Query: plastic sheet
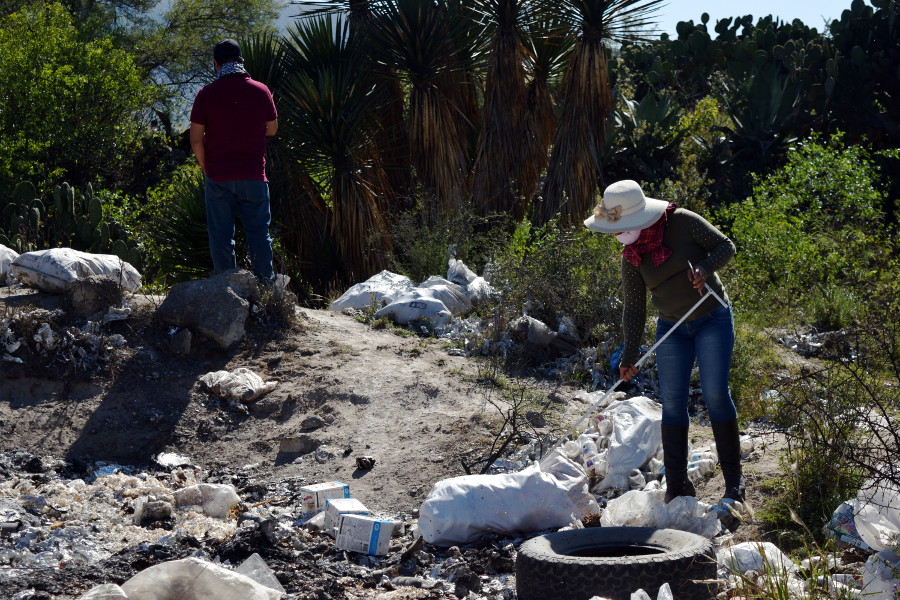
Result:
[878,515]
[240,385]
[377,290]
[763,557]
[648,509]
[107,591]
[881,576]
[195,579]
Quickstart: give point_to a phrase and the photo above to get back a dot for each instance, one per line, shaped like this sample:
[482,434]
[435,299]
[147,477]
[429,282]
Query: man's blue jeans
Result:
[248,198]
[710,340]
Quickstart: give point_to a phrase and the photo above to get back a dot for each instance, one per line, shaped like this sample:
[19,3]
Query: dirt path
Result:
[345,389]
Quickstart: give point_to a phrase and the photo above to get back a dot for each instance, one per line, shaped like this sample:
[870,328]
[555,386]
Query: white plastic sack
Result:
[417,305]
[447,292]
[240,385]
[462,509]
[881,576]
[536,332]
[194,579]
[379,289]
[7,255]
[635,437]
[54,270]
[878,515]
[649,509]
[478,290]
[458,272]
[107,591]
[215,500]
[762,557]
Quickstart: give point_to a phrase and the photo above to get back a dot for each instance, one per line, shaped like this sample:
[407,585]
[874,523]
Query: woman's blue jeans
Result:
[708,339]
[248,198]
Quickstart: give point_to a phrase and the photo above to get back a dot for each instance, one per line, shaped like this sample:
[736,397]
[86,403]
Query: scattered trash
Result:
[335,508]
[240,385]
[881,575]
[215,500]
[365,463]
[362,533]
[842,526]
[313,498]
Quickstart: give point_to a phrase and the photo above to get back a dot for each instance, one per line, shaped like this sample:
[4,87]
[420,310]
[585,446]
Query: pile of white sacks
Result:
[433,302]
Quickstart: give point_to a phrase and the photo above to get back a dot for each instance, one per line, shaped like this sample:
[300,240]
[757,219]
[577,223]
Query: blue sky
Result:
[811,12]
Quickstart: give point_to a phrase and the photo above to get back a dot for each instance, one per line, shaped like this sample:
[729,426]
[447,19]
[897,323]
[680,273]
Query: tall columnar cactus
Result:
[75,221]
[22,219]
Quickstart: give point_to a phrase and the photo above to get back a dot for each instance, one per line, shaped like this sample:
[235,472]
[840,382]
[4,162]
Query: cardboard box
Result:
[336,507]
[313,497]
[360,533]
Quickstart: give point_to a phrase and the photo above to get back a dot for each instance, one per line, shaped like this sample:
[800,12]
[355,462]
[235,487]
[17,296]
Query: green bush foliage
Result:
[811,239]
[551,272]
[69,108]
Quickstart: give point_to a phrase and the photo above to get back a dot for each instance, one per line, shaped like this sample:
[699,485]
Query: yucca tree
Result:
[499,157]
[575,163]
[548,46]
[299,213]
[425,44]
[328,125]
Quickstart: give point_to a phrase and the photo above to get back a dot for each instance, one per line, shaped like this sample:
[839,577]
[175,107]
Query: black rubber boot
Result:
[675,452]
[728,446]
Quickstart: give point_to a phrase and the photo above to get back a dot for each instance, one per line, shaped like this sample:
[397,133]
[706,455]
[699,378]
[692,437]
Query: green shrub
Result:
[550,272]
[812,236]
[842,426]
[70,108]
[753,367]
[423,246]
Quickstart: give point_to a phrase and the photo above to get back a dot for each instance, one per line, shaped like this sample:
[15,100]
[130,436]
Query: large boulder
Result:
[217,307]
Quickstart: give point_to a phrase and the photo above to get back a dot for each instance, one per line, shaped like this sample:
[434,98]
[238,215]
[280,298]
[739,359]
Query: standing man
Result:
[230,120]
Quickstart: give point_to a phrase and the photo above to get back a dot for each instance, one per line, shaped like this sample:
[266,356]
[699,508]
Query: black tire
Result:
[613,562]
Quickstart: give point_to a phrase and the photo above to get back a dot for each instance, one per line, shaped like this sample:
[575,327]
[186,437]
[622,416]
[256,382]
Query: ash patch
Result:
[64,531]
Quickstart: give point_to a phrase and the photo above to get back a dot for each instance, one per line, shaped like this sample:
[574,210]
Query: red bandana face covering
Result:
[650,242]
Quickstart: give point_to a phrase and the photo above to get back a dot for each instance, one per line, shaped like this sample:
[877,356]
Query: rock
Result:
[181,342]
[313,422]
[213,307]
[536,418]
[302,444]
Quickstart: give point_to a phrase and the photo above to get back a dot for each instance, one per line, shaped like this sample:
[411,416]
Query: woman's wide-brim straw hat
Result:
[625,208]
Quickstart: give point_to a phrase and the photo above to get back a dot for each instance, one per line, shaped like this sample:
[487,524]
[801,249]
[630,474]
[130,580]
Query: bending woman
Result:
[675,253]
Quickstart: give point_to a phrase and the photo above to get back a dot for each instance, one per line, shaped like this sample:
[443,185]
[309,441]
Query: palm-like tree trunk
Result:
[576,168]
[499,158]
